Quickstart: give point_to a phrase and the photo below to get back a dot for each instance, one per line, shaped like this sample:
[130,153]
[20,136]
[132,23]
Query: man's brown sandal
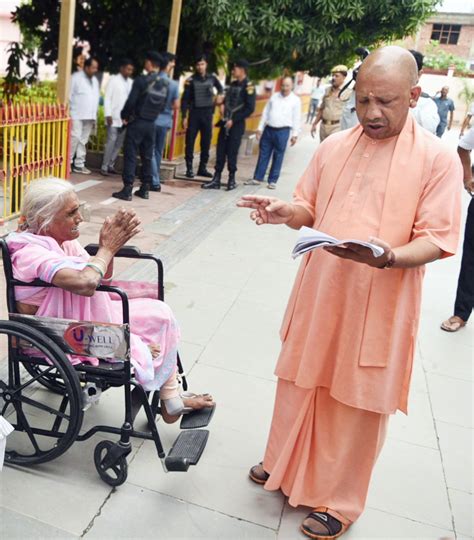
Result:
[453,324]
[333,526]
[257,474]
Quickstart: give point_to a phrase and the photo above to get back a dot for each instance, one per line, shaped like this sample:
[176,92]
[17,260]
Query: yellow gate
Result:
[34,143]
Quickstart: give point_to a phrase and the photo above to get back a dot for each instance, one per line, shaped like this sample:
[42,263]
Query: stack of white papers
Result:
[309,239]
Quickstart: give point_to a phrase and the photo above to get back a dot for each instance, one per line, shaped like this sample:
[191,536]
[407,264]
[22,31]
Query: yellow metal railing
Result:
[34,143]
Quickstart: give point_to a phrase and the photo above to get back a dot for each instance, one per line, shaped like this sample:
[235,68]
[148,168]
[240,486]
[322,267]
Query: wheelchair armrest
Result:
[101,288]
[130,252]
[133,252]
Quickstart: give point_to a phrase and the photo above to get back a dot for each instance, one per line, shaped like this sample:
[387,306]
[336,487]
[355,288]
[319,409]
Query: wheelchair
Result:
[45,397]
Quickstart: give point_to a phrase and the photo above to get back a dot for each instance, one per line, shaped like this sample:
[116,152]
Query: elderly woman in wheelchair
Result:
[47,248]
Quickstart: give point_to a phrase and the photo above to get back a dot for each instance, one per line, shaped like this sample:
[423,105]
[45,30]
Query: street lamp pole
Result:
[66,36]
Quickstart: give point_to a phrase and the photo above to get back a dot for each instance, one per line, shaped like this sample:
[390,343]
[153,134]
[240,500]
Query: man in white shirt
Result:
[280,122]
[84,102]
[426,111]
[317,94]
[116,95]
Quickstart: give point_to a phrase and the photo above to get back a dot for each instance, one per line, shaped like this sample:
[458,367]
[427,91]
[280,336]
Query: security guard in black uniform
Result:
[239,104]
[198,99]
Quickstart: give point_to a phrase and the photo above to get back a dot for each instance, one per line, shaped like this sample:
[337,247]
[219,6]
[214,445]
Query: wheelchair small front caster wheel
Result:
[112,470]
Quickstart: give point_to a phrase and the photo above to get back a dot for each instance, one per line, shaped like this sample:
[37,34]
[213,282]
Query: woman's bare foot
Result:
[192,402]
[197,402]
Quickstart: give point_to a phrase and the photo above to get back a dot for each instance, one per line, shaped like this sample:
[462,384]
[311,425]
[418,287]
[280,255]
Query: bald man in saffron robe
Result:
[348,335]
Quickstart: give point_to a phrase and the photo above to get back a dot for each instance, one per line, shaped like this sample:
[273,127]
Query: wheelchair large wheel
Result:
[49,379]
[46,423]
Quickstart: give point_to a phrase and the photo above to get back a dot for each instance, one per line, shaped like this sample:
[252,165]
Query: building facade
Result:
[453,31]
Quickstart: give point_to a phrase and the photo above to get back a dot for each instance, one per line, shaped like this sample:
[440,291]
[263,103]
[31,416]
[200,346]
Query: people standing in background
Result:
[239,104]
[349,115]
[444,105]
[280,122]
[197,109]
[164,121]
[330,110]
[425,112]
[146,101]
[84,102]
[464,303]
[116,94]
[317,94]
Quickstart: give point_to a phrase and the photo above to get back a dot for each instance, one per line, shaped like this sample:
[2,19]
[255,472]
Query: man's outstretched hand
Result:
[267,209]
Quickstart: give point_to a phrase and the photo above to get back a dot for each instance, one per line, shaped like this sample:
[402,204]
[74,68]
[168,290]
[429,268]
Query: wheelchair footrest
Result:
[186,450]
[197,419]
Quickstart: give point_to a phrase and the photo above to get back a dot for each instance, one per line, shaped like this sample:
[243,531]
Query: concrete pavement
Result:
[228,282]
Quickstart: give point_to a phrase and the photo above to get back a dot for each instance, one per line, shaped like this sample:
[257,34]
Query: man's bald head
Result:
[286,85]
[385,90]
[393,61]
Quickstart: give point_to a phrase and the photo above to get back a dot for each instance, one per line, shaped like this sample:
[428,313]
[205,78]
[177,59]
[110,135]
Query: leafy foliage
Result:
[308,35]
[467,93]
[14,81]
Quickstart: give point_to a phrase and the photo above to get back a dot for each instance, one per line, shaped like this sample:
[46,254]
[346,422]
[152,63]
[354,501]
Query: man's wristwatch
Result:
[390,261]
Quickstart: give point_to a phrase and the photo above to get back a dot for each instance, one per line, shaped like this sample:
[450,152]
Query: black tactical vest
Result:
[203,92]
[233,98]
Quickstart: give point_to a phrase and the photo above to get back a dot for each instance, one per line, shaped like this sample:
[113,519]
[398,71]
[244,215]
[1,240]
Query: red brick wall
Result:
[462,49]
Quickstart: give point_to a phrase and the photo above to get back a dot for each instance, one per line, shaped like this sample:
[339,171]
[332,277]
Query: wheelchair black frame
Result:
[111,378]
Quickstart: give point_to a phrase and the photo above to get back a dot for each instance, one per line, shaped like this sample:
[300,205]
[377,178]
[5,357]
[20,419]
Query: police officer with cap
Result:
[332,105]
[198,100]
[239,104]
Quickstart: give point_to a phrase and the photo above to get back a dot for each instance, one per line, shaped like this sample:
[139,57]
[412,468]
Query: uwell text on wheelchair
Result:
[44,396]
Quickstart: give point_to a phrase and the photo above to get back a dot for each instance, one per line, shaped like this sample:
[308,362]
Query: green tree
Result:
[308,35]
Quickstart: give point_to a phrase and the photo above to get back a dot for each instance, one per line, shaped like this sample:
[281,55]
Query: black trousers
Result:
[200,121]
[464,303]
[228,145]
[139,139]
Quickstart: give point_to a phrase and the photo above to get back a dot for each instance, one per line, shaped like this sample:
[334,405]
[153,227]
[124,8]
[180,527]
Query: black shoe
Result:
[202,171]
[215,183]
[189,173]
[124,194]
[143,192]
[231,182]
[155,188]
[112,170]
[104,173]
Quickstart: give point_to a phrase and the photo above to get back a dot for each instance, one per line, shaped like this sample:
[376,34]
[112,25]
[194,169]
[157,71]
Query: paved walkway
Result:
[228,284]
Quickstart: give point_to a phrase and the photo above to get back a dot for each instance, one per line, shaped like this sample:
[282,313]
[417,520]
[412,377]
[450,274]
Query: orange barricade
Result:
[34,143]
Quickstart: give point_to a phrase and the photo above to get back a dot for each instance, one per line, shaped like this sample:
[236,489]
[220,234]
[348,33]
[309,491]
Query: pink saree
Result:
[151,321]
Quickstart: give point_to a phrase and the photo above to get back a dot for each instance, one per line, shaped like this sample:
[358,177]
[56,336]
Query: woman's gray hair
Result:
[42,201]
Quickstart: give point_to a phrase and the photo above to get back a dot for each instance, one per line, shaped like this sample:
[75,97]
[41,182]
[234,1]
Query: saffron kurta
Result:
[349,331]
[348,327]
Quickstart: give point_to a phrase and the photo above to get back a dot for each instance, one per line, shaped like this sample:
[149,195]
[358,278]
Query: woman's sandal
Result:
[453,324]
[333,526]
[258,475]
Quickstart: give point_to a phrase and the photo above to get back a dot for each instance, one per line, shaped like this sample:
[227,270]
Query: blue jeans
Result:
[273,142]
[441,128]
[160,139]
